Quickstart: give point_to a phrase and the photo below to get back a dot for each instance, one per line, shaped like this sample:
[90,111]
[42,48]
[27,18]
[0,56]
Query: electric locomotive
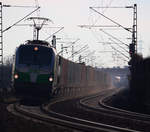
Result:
[33,69]
[39,72]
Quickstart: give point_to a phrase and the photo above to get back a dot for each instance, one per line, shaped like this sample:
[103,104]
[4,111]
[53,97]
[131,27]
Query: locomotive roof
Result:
[37,42]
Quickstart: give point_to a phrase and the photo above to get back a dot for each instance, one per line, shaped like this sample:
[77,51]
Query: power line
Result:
[95,26]
[79,51]
[109,43]
[115,39]
[20,20]
[127,29]
[89,54]
[61,28]
[119,52]
[112,7]
[19,6]
[71,44]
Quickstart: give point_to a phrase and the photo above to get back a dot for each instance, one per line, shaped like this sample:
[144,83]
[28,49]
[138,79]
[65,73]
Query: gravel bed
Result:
[12,123]
[72,108]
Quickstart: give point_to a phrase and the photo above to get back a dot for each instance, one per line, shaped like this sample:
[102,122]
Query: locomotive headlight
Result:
[36,48]
[50,79]
[16,76]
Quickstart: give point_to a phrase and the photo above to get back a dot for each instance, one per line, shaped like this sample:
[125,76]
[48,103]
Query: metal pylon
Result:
[1,44]
[134,32]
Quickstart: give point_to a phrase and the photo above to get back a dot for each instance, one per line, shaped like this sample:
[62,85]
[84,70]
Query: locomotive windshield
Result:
[36,55]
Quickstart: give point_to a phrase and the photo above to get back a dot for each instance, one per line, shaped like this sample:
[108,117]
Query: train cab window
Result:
[43,56]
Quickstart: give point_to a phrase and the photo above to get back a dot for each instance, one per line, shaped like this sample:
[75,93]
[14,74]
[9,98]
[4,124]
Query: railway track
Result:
[132,115]
[67,121]
[79,114]
[134,121]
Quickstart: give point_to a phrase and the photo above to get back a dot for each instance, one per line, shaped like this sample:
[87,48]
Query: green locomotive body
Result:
[33,69]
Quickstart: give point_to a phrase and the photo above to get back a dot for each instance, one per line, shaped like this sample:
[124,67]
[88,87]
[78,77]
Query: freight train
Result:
[38,71]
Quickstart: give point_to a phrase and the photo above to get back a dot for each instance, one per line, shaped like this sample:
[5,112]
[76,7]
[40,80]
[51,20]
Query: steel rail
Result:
[67,121]
[85,124]
[50,116]
[115,112]
[139,116]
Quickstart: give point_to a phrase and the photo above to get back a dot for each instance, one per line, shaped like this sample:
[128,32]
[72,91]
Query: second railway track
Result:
[80,114]
[127,119]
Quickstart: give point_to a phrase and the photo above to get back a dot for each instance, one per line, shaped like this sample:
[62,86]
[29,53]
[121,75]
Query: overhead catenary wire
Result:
[127,29]
[106,51]
[19,6]
[119,51]
[109,43]
[104,9]
[89,54]
[71,43]
[116,39]
[118,27]
[113,7]
[28,25]
[61,28]
[95,26]
[20,20]
[79,51]
[37,5]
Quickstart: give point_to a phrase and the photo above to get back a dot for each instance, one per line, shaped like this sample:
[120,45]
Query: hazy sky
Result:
[71,13]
